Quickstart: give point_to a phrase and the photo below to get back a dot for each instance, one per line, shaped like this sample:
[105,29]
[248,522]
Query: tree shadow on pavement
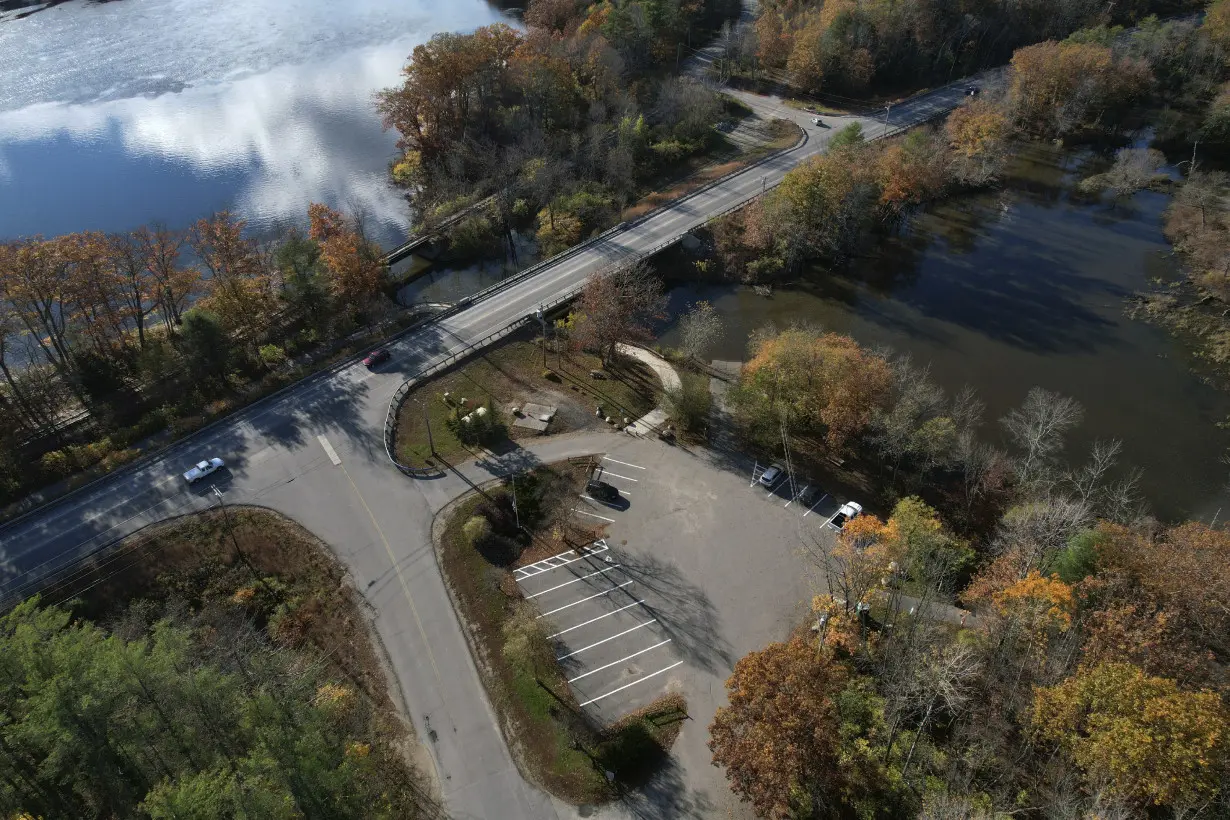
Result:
[666,795]
[684,612]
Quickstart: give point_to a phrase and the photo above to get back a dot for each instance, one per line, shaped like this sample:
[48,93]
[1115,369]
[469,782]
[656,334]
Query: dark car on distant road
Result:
[377,356]
[971,91]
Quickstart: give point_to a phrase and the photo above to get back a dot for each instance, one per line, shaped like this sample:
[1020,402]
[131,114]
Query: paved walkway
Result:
[651,422]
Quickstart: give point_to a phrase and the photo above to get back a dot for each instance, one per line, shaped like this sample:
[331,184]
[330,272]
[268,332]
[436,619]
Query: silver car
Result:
[203,469]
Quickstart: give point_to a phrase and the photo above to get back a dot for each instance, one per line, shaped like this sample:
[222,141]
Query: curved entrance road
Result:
[316,454]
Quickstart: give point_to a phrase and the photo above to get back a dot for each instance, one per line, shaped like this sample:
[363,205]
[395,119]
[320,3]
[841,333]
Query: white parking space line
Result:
[604,640]
[606,473]
[603,517]
[599,501]
[573,581]
[329,451]
[599,618]
[557,561]
[773,488]
[621,660]
[583,600]
[813,506]
[796,496]
[634,683]
[626,464]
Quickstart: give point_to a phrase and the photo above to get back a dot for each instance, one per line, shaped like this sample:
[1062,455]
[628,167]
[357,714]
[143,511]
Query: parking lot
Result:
[700,564]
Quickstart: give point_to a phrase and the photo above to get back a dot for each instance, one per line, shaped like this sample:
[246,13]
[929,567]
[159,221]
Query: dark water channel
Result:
[1019,287]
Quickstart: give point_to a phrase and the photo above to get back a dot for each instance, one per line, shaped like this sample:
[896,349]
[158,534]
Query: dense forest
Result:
[156,328]
[1085,675]
[210,667]
[560,125]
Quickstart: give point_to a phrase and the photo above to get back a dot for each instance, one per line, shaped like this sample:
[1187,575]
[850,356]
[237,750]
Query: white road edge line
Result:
[603,517]
[626,464]
[599,618]
[626,685]
[573,581]
[604,640]
[583,600]
[621,660]
[329,451]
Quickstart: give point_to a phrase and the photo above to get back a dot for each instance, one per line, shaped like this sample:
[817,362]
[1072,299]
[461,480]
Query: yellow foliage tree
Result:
[1139,737]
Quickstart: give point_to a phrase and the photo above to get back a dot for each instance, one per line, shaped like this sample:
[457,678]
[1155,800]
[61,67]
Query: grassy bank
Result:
[556,744]
[514,373]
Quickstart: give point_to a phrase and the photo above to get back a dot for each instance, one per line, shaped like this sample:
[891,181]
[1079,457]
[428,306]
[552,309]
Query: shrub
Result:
[187,424]
[550,375]
[476,530]
[689,405]
[498,510]
[57,464]
[272,356]
[480,428]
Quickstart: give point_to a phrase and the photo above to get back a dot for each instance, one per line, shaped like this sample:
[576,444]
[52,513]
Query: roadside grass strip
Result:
[589,598]
[634,683]
[592,620]
[557,561]
[621,660]
[578,579]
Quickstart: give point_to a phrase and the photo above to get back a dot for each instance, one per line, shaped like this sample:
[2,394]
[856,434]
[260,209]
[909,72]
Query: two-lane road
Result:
[315,453]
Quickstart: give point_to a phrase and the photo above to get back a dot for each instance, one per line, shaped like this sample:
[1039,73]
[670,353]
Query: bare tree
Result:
[1116,500]
[618,306]
[913,426]
[1204,191]
[699,328]
[1038,530]
[1037,428]
[1134,169]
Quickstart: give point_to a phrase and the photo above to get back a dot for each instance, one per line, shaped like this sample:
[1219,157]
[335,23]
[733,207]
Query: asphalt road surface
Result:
[316,454]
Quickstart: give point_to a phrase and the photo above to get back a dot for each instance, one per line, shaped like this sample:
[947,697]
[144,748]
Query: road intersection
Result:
[315,452]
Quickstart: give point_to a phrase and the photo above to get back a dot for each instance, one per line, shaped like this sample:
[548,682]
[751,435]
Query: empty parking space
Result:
[608,640]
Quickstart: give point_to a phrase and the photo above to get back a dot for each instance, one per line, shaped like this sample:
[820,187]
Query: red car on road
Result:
[376,357]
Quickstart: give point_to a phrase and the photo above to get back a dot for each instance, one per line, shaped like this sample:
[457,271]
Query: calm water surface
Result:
[114,114]
[1020,287]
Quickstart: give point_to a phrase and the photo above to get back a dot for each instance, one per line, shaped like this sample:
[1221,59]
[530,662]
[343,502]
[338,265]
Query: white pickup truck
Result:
[849,510]
[202,469]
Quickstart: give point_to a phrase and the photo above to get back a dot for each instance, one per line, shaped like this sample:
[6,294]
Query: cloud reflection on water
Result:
[262,144]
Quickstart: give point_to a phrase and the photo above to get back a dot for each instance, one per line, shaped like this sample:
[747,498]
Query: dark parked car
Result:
[376,357]
[601,490]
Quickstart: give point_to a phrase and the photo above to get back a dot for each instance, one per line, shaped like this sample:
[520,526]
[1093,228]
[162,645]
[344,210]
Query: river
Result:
[1026,286]
[113,114]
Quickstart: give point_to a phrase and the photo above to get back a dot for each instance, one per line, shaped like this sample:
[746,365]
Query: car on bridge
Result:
[203,469]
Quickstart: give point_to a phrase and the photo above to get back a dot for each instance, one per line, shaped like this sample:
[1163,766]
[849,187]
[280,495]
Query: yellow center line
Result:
[404,588]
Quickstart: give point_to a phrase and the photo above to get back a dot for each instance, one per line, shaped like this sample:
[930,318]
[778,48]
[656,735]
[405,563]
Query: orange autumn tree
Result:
[1139,737]
[1036,608]
[355,266]
[823,383]
[779,739]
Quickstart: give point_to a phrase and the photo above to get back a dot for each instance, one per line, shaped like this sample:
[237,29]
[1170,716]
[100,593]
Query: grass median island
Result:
[210,666]
[514,373]
[556,744]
